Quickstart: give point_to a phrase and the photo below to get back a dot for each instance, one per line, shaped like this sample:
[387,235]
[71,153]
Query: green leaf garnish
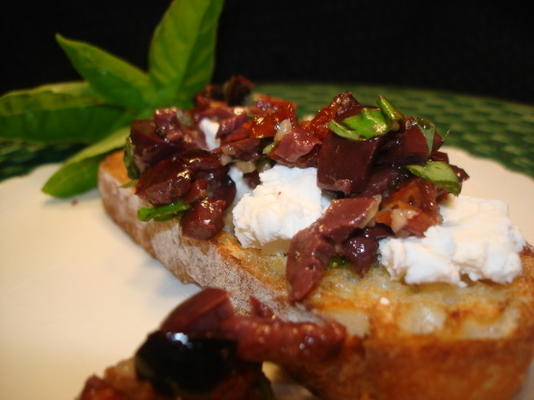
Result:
[343,131]
[114,79]
[63,113]
[72,179]
[337,262]
[133,172]
[440,174]
[392,114]
[130,184]
[181,54]
[429,131]
[368,123]
[162,213]
[268,148]
[65,182]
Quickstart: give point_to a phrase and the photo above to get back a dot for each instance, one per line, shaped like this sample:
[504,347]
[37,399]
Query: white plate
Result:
[77,295]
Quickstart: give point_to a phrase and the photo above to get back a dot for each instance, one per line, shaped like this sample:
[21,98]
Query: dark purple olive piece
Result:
[199,314]
[164,182]
[204,220]
[148,147]
[344,165]
[177,364]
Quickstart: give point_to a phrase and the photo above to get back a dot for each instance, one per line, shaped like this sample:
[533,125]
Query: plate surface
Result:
[77,295]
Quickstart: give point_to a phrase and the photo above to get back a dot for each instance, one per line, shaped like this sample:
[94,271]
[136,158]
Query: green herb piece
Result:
[114,79]
[162,213]
[181,54]
[65,182]
[343,131]
[133,172]
[368,123]
[440,174]
[429,131]
[337,262]
[130,184]
[72,179]
[57,114]
[392,114]
[268,148]
[20,157]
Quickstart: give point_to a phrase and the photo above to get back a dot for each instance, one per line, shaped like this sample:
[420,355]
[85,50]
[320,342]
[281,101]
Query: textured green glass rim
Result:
[485,127]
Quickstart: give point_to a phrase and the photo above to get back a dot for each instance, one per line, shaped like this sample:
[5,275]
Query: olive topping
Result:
[179,365]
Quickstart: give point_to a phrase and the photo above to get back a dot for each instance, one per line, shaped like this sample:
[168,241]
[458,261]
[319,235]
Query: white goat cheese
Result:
[476,238]
[241,185]
[210,128]
[287,201]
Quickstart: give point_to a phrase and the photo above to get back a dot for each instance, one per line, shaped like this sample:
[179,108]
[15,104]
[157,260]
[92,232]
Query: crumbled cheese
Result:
[286,201]
[210,128]
[241,185]
[476,238]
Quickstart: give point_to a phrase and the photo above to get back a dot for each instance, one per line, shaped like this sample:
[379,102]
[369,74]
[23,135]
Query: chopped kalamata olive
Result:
[248,149]
[230,124]
[407,147]
[164,182]
[360,250]
[201,313]
[166,120]
[294,145]
[243,132]
[204,220]
[307,260]
[311,249]
[209,95]
[344,165]
[197,191]
[439,156]
[460,173]
[148,147]
[236,90]
[383,180]
[252,178]
[177,364]
[217,113]
[200,160]
[232,93]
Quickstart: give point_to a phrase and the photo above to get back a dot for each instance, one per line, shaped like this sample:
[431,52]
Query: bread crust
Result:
[474,344]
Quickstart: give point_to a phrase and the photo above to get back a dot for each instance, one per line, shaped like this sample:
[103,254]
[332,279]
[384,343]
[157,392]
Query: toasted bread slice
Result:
[431,341]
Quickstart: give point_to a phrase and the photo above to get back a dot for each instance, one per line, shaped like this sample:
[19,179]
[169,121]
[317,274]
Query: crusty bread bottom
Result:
[407,342]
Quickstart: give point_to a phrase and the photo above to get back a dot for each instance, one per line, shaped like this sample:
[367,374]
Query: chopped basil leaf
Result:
[429,130]
[130,184]
[131,168]
[440,174]
[337,261]
[162,213]
[343,131]
[392,114]
[368,123]
[268,148]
